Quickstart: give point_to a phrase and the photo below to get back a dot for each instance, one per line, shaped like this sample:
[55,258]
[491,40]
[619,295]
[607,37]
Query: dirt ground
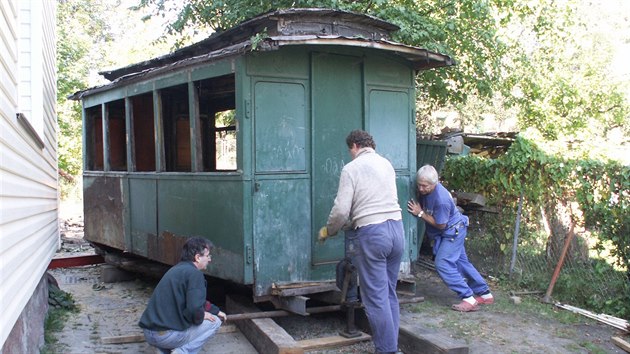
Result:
[113,309]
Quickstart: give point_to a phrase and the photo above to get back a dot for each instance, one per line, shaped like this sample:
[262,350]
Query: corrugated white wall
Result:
[29,228]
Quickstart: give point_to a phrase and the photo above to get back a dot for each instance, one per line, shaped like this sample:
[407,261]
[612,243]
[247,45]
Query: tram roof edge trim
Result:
[421,59]
[290,21]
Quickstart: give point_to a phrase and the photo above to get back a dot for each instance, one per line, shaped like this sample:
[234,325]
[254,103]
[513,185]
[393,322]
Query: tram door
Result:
[281,203]
[337,103]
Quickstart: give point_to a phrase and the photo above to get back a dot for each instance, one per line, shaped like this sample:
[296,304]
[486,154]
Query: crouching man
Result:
[178,319]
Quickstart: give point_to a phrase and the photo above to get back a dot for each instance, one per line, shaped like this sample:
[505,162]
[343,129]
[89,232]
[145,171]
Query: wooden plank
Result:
[332,342]
[293,285]
[464,198]
[306,290]
[416,340]
[133,338]
[253,315]
[621,343]
[138,338]
[264,334]
[609,320]
[227,328]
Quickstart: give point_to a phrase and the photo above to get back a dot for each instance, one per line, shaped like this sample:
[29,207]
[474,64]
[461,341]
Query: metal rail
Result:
[76,261]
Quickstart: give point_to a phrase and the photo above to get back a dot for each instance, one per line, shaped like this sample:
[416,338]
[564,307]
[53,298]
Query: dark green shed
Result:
[242,141]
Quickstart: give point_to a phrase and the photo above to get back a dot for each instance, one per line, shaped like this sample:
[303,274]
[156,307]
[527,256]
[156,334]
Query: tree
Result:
[80,24]
[558,71]
[523,51]
[464,29]
[93,35]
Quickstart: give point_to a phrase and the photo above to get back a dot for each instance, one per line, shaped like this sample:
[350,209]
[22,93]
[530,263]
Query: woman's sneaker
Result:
[485,299]
[465,306]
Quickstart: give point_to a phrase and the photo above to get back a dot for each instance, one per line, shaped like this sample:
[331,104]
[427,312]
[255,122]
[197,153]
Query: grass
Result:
[530,310]
[592,348]
[61,305]
[55,322]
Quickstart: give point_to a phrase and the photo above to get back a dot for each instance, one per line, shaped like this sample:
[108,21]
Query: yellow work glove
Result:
[323,234]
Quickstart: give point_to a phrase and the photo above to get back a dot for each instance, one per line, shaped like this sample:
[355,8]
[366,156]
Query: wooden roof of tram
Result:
[282,28]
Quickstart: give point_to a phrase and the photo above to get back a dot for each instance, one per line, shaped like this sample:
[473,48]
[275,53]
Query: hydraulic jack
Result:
[347,282]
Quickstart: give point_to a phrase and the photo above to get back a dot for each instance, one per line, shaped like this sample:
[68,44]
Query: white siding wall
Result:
[29,228]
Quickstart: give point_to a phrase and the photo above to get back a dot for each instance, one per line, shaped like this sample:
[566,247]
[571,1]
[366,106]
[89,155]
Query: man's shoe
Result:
[489,301]
[465,306]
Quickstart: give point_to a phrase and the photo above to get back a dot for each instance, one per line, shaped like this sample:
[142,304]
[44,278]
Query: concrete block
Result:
[112,274]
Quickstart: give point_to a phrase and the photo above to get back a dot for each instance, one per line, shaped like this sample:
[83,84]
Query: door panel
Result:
[337,103]
[280,127]
[281,228]
[391,108]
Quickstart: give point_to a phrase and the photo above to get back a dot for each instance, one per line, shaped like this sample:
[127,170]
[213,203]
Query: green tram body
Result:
[155,170]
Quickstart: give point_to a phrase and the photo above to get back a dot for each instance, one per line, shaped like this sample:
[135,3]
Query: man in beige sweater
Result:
[367,201]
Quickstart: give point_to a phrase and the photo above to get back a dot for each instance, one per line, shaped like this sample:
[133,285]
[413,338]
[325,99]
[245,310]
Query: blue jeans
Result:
[188,341]
[453,266]
[376,251]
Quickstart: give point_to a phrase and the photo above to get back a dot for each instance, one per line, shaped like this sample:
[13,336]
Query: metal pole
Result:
[516,231]
[311,310]
[556,272]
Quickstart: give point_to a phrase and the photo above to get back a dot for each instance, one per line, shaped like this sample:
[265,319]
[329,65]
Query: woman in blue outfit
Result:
[447,227]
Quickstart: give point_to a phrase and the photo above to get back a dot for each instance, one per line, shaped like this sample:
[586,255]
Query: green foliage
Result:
[82,32]
[548,61]
[599,190]
[463,29]
[258,37]
[92,35]
[61,305]
[559,72]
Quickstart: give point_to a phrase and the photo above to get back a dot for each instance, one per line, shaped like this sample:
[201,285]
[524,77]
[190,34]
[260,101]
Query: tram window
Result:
[176,128]
[218,122]
[117,139]
[94,139]
[143,132]
[225,124]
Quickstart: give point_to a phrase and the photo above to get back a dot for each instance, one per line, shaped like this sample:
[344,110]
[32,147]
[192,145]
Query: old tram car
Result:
[242,140]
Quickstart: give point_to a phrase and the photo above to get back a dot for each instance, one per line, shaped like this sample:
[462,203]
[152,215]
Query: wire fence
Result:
[588,278]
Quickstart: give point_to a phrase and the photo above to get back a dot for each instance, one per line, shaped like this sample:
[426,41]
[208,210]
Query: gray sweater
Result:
[367,193]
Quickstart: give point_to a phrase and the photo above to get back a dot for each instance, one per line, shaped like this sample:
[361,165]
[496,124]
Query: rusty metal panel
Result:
[103,203]
[211,207]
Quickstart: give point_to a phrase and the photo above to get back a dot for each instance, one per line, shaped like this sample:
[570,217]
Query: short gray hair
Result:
[427,173]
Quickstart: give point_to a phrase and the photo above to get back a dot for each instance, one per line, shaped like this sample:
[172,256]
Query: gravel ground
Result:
[113,310]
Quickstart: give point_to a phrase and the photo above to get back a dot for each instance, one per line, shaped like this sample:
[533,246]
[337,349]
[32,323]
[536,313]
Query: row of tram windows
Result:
[216,130]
